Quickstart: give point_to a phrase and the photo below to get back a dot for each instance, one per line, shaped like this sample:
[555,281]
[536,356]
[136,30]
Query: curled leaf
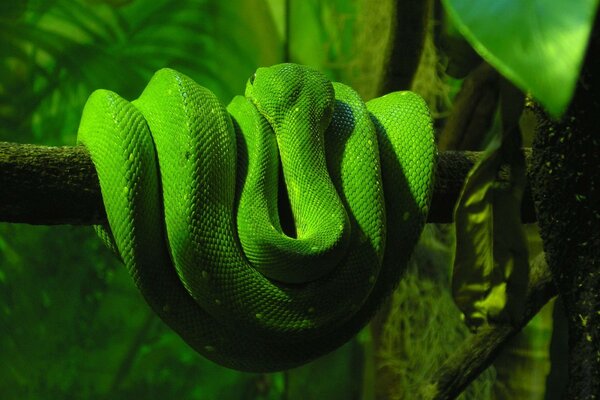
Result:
[491,268]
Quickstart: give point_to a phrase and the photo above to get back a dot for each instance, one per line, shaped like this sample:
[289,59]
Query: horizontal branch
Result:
[58,185]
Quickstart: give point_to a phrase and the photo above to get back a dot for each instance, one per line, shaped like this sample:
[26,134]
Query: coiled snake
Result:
[190,191]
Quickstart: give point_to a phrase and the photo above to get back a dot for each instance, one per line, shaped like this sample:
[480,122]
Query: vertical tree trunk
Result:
[566,189]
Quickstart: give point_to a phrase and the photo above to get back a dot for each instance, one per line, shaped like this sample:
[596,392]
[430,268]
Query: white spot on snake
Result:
[314,248]
[296,109]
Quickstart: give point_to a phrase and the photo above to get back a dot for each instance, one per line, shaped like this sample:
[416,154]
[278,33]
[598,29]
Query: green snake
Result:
[191,195]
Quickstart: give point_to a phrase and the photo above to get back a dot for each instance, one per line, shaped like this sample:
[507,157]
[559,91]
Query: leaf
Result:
[539,45]
[491,268]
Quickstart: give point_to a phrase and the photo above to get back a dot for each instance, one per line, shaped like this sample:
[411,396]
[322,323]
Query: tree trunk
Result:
[565,179]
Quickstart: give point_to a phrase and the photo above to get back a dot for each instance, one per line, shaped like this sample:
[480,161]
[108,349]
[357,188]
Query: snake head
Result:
[291,91]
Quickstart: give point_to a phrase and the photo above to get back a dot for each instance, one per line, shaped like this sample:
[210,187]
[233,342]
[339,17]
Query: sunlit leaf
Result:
[538,44]
[491,266]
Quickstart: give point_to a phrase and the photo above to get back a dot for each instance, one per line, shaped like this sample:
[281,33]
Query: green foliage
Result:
[330,44]
[348,40]
[71,321]
[424,325]
[73,326]
[57,52]
[337,375]
[539,45]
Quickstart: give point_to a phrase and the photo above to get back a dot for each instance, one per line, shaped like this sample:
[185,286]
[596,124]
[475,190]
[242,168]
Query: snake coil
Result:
[190,191]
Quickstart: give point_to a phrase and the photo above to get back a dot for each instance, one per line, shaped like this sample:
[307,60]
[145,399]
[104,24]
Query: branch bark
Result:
[479,351]
[58,185]
[48,185]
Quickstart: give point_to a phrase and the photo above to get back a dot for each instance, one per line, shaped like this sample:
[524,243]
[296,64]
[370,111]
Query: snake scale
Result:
[190,190]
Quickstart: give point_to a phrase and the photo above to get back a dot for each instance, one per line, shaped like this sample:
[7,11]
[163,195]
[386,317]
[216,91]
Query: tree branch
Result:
[479,351]
[58,185]
[48,185]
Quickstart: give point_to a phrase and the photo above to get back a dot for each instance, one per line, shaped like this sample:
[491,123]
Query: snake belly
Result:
[190,192]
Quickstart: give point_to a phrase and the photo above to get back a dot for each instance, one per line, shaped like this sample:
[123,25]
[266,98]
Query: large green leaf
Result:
[538,44]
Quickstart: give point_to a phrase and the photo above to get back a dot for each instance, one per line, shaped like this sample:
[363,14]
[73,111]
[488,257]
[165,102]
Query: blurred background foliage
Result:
[72,325]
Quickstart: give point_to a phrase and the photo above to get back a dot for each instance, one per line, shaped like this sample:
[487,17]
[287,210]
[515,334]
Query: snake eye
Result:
[252,78]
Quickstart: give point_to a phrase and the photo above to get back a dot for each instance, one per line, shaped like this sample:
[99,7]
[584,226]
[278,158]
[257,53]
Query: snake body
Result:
[190,191]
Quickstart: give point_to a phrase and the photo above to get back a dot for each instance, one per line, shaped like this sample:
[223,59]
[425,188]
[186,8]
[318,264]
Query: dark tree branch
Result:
[58,185]
[48,185]
[409,31]
[479,351]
